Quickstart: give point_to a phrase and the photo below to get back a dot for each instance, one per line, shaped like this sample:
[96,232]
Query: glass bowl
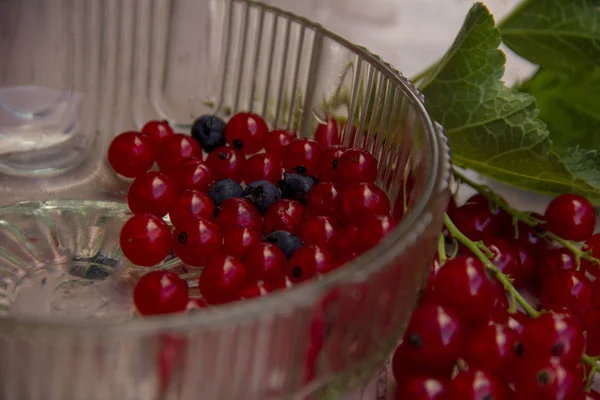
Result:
[67,326]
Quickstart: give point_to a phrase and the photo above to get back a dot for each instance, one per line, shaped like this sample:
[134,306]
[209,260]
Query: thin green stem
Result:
[442,249]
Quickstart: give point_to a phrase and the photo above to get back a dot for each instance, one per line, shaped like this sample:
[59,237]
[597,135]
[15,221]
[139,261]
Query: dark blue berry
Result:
[296,186]
[287,242]
[262,194]
[225,189]
[209,132]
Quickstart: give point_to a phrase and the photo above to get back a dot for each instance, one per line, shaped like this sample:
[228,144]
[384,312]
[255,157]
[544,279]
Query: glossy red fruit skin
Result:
[265,262]
[571,217]
[403,368]
[176,149]
[551,260]
[263,166]
[504,258]
[145,240]
[345,245]
[192,174]
[592,328]
[255,289]
[223,279]
[529,238]
[327,166]
[237,240]
[527,262]
[323,199]
[592,395]
[434,337]
[309,261]
[151,193]
[190,204]
[477,222]
[158,131]
[160,292]
[237,211]
[547,378]
[361,199]
[554,335]
[327,134]
[285,215]
[196,241]
[357,165]
[226,162]
[476,384]
[302,156]
[568,290]
[593,244]
[319,230]
[372,229]
[504,220]
[130,154]
[246,132]
[421,387]
[465,288]
[277,141]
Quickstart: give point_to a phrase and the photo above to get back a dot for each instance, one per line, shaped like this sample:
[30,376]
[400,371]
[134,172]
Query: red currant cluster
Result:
[476,337]
[258,209]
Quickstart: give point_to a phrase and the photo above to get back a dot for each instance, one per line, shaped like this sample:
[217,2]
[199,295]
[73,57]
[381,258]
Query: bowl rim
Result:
[305,295]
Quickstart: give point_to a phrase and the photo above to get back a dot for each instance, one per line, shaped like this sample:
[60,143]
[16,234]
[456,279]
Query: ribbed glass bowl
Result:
[67,325]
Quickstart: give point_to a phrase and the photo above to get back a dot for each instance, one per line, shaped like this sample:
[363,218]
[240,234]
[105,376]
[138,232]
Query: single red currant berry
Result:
[282,283]
[526,263]
[195,241]
[327,134]
[226,163]
[192,174]
[237,211]
[593,245]
[190,204]
[433,336]
[571,217]
[372,229]
[477,384]
[327,166]
[158,131]
[553,260]
[263,167]
[302,156]
[345,245]
[131,154]
[504,220]
[568,290]
[357,165]
[464,287]
[265,262]
[160,292]
[403,368]
[277,141]
[319,230]
[504,257]
[256,289]
[323,199]
[237,240]
[175,150]
[477,222]
[223,279]
[530,238]
[592,327]
[361,199]
[554,335]
[309,261]
[145,240]
[285,215]
[547,378]
[246,132]
[421,387]
[151,193]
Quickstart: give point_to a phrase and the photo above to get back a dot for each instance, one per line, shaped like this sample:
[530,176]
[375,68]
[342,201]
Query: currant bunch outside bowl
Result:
[68,327]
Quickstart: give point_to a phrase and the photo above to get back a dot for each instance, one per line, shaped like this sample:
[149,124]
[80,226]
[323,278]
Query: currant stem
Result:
[474,248]
[442,249]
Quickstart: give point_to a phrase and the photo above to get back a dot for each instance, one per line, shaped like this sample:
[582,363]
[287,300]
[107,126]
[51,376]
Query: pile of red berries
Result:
[258,209]
[463,343]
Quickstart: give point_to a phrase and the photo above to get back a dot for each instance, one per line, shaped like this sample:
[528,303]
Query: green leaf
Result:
[562,35]
[492,129]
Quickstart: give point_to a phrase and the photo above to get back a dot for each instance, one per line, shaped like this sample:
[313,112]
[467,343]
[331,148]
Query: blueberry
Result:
[225,189]
[209,132]
[262,194]
[287,242]
[296,186]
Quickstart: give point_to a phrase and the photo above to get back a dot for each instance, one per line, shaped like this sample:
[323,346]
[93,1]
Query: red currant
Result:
[592,326]
[345,245]
[145,240]
[151,193]
[227,163]
[319,230]
[263,167]
[196,241]
[421,387]
[526,263]
[131,154]
[160,292]
[530,238]
[237,240]
[357,165]
[593,245]
[256,289]
[547,378]
[223,279]
[327,166]
[323,199]
[504,258]
[265,261]
[477,222]
[476,384]
[237,211]
[309,261]
[277,141]
[372,229]
[568,290]
[192,174]
[571,217]
[158,131]
[361,199]
[175,150]
[196,304]
[189,204]
[302,156]
[504,220]
[246,132]
[327,134]
[553,260]
[403,368]
[285,215]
